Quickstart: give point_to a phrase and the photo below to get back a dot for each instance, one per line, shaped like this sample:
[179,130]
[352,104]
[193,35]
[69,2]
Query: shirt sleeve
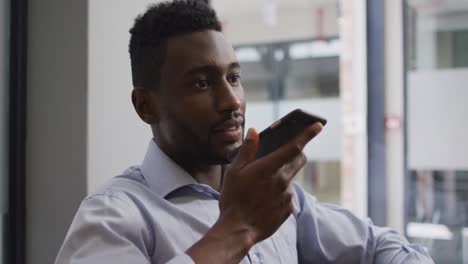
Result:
[107,229]
[330,234]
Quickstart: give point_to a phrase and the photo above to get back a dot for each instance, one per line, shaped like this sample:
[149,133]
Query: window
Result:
[437,63]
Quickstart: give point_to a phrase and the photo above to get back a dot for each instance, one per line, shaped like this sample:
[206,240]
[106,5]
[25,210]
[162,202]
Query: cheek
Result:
[196,112]
[241,96]
[201,104]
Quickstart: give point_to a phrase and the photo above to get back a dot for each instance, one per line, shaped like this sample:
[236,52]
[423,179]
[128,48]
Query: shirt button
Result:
[257,258]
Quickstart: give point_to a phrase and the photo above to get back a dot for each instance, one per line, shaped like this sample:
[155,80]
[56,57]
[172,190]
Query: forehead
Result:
[196,49]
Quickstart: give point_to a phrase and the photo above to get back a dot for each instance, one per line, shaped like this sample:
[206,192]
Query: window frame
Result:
[15,237]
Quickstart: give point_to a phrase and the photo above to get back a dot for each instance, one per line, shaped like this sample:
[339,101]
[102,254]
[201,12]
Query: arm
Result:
[330,234]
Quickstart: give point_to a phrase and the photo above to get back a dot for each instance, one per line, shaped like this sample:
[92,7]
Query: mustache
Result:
[234,117]
[238,115]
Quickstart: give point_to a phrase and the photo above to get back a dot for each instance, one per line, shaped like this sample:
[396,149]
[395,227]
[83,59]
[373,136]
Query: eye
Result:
[202,83]
[234,79]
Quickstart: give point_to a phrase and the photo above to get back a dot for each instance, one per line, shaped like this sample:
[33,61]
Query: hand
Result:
[256,195]
[256,198]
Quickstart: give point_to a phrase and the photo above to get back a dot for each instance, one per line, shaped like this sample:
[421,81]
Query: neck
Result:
[202,172]
[210,175]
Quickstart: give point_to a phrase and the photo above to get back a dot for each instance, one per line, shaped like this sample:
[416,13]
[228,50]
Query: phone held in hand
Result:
[282,131]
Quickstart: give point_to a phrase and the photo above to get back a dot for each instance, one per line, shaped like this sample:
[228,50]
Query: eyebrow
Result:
[210,68]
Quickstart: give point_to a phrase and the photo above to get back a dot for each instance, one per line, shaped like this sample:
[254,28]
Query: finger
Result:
[287,206]
[289,151]
[308,134]
[247,151]
[290,170]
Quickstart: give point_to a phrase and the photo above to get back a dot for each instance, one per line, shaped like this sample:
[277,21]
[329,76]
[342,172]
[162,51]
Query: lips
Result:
[229,125]
[229,130]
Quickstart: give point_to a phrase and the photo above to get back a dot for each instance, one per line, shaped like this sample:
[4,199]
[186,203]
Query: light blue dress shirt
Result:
[153,213]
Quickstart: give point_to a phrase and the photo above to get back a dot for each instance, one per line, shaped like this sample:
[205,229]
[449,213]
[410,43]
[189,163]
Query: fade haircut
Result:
[152,29]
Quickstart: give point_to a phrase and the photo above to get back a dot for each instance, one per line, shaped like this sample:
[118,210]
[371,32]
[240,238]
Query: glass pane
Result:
[290,59]
[439,202]
[437,42]
[4,71]
[437,34]
[322,179]
[460,50]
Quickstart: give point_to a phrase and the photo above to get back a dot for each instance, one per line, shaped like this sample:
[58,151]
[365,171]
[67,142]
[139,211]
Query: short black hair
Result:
[152,29]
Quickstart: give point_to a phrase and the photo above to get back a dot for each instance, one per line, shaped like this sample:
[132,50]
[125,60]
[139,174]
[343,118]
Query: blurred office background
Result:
[389,75]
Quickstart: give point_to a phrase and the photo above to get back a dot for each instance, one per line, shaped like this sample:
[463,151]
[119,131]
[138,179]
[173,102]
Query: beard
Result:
[187,143]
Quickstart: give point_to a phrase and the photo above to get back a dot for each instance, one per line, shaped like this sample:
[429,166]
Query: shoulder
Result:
[120,203]
[126,196]
[110,218]
[123,187]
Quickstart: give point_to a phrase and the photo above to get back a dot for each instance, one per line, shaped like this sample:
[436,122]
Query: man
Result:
[182,205]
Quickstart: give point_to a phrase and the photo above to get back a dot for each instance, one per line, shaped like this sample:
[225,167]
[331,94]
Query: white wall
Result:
[437,120]
[116,136]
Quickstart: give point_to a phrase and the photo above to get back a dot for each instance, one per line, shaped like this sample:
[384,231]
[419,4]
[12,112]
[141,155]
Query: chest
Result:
[183,221]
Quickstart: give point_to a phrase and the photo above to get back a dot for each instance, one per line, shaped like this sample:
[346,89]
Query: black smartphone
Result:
[282,131]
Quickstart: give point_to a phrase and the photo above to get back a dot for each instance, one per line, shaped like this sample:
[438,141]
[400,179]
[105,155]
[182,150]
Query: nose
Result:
[228,98]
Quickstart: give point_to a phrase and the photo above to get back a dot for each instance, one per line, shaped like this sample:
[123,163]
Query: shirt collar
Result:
[161,173]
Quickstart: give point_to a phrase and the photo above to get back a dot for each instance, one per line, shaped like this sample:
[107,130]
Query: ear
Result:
[145,104]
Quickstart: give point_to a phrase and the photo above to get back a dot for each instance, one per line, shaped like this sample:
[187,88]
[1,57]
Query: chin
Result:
[220,154]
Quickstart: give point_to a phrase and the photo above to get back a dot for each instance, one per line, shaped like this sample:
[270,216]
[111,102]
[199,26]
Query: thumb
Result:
[248,149]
